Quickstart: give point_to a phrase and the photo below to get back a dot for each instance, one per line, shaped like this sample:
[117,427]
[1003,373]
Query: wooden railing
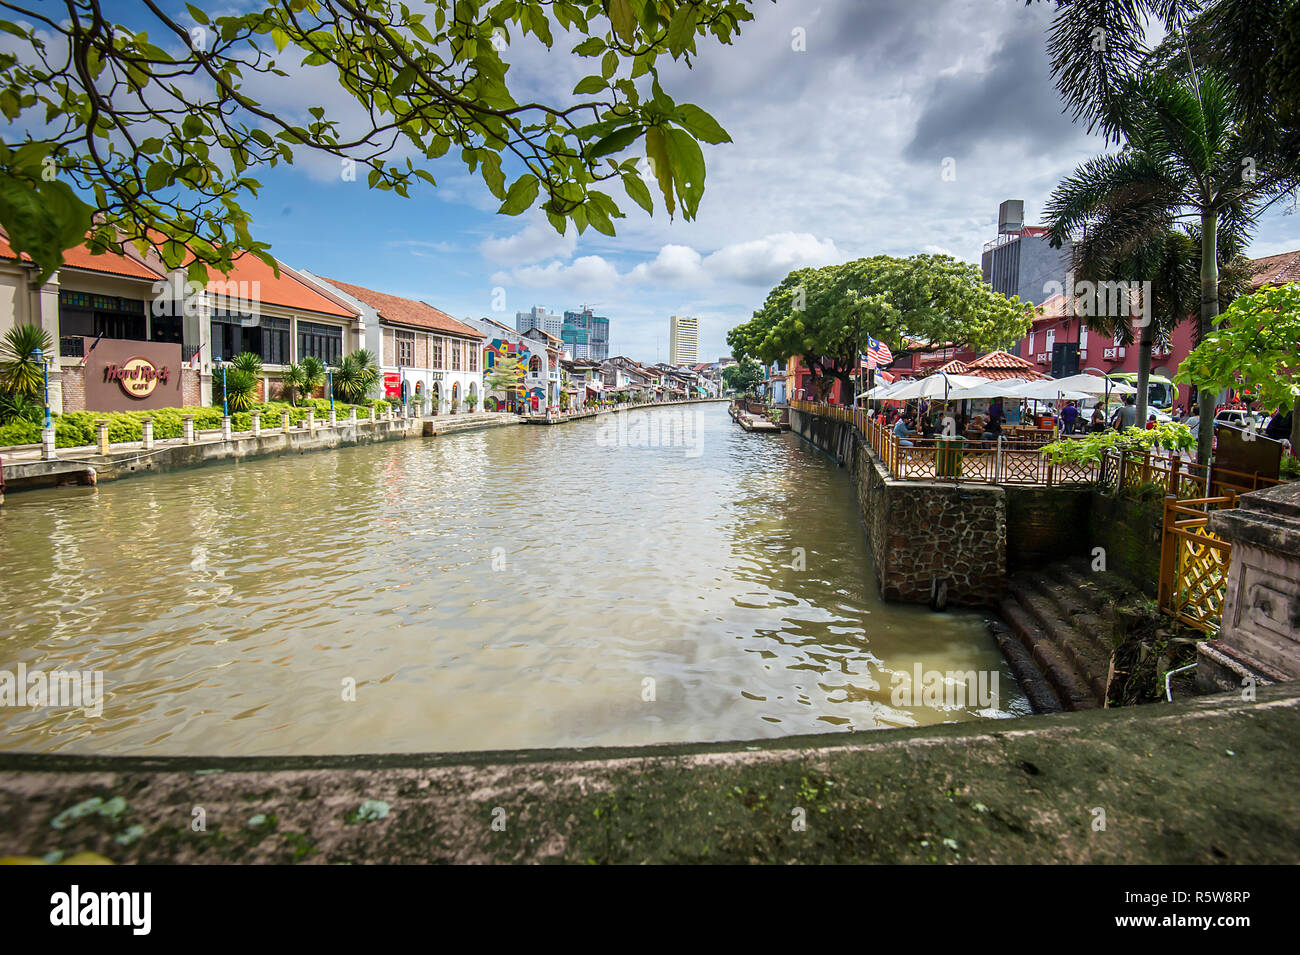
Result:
[1021,462]
[1194,562]
[1006,461]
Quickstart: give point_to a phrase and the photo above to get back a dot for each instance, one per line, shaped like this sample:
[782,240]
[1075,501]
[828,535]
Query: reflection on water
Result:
[524,587]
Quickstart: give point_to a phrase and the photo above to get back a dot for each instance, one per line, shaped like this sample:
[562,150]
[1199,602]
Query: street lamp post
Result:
[45,374]
[329,372]
[225,402]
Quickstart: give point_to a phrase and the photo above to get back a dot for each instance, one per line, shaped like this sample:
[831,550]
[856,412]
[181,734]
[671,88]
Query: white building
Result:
[423,353]
[683,340]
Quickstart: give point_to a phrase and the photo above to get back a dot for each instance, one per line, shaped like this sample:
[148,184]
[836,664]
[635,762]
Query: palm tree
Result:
[354,375]
[1202,142]
[1186,156]
[21,372]
[294,381]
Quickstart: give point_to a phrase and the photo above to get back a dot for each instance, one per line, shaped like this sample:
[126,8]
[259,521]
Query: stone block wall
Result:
[1129,532]
[1043,524]
[922,534]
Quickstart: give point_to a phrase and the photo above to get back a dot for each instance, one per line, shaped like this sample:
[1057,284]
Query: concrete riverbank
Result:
[1205,781]
[25,469]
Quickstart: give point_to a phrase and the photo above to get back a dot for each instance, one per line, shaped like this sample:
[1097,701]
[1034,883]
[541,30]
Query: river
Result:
[519,587]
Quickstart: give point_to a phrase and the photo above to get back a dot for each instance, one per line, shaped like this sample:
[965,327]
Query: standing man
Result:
[1069,417]
[1126,415]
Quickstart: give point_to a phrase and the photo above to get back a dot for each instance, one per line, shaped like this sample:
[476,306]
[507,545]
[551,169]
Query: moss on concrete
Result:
[1211,780]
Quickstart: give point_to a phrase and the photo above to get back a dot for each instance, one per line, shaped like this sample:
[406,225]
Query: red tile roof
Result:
[286,291]
[80,257]
[953,367]
[1275,269]
[1000,366]
[998,359]
[406,311]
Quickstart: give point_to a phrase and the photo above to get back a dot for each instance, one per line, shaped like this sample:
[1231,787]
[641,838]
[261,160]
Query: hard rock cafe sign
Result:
[137,377]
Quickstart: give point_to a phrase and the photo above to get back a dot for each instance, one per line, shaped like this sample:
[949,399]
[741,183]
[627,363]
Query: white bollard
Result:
[148,434]
[189,429]
[311,420]
[225,428]
[101,435]
[284,421]
[47,444]
[255,425]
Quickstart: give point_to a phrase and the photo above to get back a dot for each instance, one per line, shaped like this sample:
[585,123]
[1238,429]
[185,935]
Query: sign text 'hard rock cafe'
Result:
[137,377]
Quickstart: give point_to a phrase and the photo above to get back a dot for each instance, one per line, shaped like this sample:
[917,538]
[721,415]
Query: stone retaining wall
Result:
[931,541]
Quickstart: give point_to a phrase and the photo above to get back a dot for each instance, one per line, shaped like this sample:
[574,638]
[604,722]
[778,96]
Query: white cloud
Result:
[674,265]
[535,242]
[768,260]
[589,273]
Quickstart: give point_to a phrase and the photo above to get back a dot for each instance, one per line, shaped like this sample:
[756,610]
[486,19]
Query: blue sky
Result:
[843,113]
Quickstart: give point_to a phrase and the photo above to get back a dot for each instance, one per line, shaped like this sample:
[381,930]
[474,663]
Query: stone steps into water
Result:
[1053,663]
[1060,631]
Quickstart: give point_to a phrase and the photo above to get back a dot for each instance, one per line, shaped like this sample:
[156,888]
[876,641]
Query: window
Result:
[268,338]
[405,348]
[455,354]
[321,341]
[437,353]
[82,313]
[473,356]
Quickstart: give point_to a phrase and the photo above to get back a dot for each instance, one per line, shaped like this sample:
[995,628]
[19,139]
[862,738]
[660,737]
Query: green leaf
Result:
[522,195]
[280,39]
[700,123]
[622,19]
[598,220]
[688,168]
[681,29]
[638,192]
[656,150]
[616,141]
[199,16]
[589,84]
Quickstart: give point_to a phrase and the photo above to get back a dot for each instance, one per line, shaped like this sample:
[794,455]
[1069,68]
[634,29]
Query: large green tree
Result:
[825,315]
[155,123]
[1196,115]
[1255,344]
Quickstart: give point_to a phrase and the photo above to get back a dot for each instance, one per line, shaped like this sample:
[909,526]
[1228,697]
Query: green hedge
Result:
[77,428]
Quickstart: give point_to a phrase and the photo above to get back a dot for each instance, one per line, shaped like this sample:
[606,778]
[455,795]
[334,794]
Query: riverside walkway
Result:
[1204,781]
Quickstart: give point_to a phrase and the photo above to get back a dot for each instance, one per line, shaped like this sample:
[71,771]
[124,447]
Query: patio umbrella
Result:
[939,385]
[1094,385]
[1049,390]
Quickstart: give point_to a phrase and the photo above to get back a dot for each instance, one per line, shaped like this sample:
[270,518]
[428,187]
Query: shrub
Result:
[20,431]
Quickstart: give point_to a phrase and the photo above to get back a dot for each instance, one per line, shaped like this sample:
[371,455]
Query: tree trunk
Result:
[1209,312]
[1145,346]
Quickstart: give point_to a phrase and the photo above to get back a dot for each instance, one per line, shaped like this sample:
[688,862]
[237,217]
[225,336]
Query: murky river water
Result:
[523,587]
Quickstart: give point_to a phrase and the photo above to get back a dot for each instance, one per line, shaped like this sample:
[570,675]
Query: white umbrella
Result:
[939,385]
[1094,385]
[1008,388]
[1049,390]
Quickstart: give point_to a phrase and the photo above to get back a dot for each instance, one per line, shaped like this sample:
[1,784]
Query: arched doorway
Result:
[473,397]
[455,397]
[436,394]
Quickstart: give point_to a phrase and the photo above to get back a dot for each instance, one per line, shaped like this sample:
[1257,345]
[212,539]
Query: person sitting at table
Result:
[1098,423]
[992,429]
[902,431]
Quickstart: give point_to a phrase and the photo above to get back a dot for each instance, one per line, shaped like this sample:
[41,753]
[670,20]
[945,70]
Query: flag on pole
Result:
[878,351]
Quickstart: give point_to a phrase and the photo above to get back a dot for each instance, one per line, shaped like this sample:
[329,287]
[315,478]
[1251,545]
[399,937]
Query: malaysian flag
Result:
[878,353]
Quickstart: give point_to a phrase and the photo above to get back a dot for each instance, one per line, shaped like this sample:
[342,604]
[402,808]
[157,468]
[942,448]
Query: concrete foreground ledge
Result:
[1213,780]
